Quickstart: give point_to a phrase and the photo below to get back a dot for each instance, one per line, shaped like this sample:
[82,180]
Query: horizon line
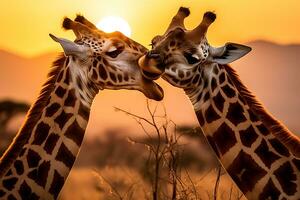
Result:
[53,51]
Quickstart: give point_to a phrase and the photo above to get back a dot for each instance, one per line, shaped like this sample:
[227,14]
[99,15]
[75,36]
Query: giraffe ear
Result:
[71,48]
[228,53]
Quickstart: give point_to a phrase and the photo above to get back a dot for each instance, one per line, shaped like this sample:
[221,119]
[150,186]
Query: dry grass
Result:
[160,170]
[164,162]
[86,183]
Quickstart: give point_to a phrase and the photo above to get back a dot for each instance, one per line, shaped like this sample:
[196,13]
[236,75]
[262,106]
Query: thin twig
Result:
[217,183]
[134,115]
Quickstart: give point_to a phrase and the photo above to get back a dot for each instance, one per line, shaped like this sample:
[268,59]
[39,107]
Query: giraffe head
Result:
[106,60]
[178,53]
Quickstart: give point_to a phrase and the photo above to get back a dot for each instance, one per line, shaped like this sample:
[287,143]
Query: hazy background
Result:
[271,70]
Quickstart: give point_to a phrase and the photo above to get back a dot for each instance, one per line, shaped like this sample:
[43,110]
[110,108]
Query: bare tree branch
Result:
[134,115]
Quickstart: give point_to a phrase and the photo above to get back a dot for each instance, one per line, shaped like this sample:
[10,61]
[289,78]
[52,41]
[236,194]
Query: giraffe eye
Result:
[191,58]
[113,53]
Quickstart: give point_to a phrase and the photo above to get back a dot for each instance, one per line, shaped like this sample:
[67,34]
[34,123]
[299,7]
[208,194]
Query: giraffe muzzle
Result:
[149,64]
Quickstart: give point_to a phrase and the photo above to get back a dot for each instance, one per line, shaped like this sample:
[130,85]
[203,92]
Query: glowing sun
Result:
[113,23]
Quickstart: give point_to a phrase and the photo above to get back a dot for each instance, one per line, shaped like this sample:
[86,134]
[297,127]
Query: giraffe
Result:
[258,152]
[38,161]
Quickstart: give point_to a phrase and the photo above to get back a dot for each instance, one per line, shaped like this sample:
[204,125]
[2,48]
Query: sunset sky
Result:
[25,24]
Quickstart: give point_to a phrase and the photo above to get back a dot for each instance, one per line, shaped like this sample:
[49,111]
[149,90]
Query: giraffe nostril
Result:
[154,55]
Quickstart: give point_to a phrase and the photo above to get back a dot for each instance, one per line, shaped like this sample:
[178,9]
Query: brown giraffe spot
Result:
[297,163]
[269,191]
[65,155]
[200,117]
[67,78]
[2,193]
[248,136]
[11,197]
[199,97]
[205,83]
[188,73]
[211,115]
[262,129]
[216,70]
[56,185]
[173,69]
[228,91]
[33,174]
[75,133]
[126,78]
[26,193]
[213,84]
[224,138]
[102,72]
[71,99]
[63,118]
[213,145]
[264,153]
[41,132]
[286,177]
[206,96]
[120,78]
[180,74]
[245,172]
[219,101]
[172,43]
[22,152]
[40,174]
[236,114]
[51,142]
[196,79]
[51,110]
[84,112]
[94,75]
[18,164]
[9,183]
[43,173]
[252,116]
[33,158]
[222,78]
[279,147]
[113,77]
[95,63]
[60,92]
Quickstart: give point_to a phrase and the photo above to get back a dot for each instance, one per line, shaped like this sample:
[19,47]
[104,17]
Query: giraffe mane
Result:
[32,117]
[290,140]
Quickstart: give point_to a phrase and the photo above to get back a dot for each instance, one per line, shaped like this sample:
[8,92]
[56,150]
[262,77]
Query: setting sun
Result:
[113,23]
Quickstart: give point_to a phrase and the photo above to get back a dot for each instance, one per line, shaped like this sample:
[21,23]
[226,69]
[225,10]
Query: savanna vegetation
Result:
[163,161]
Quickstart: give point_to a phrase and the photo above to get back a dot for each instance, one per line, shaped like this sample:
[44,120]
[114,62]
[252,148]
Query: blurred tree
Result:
[8,109]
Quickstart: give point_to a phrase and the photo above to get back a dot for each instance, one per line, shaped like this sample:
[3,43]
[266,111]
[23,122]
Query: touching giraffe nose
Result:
[152,65]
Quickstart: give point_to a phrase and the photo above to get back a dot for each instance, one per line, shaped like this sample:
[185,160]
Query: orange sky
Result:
[25,24]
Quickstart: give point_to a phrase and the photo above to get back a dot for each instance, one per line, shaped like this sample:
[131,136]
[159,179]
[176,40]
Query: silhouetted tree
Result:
[8,109]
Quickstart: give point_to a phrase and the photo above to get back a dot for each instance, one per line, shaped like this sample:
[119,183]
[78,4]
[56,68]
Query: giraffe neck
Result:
[257,161]
[44,151]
